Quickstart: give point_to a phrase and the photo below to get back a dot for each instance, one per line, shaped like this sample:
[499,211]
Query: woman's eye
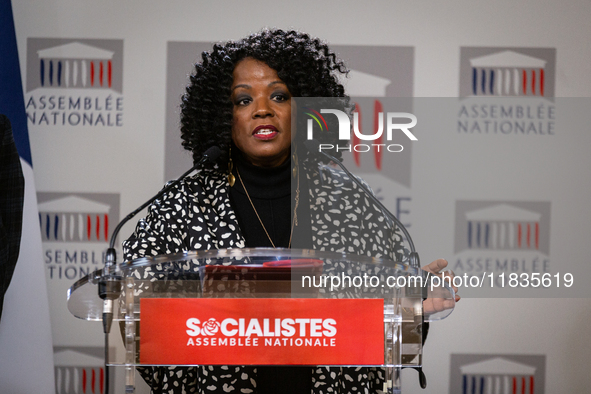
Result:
[280,97]
[242,100]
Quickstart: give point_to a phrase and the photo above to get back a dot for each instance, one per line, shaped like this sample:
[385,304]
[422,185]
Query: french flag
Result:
[26,364]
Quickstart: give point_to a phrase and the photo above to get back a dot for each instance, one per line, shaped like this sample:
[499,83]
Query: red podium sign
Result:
[269,331]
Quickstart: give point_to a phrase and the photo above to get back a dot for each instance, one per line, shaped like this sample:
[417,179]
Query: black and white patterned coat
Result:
[197,215]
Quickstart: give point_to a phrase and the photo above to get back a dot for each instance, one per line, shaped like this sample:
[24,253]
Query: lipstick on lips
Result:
[265,132]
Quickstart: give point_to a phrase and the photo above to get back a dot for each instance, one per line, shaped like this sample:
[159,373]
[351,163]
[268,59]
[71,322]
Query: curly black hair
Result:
[304,63]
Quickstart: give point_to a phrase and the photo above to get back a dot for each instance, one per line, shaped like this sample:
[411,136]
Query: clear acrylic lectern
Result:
[237,296]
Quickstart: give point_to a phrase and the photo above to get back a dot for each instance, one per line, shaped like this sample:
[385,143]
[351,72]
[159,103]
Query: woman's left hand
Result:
[434,305]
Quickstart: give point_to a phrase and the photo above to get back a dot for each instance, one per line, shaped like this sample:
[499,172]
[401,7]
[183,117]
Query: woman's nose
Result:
[262,109]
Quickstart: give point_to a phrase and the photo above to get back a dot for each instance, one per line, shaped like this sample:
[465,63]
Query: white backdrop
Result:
[124,165]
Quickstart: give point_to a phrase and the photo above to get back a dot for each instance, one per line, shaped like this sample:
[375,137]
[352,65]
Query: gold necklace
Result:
[295,209]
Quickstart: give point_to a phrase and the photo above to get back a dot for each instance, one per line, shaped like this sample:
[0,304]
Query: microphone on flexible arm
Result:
[313,146]
[110,283]
[109,287]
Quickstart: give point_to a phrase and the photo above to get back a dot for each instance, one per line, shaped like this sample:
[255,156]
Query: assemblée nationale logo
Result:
[80,370]
[507,91]
[502,225]
[502,236]
[379,81]
[75,229]
[74,82]
[510,72]
[497,373]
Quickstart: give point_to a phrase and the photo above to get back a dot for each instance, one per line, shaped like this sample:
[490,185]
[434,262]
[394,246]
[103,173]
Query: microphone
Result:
[110,283]
[313,146]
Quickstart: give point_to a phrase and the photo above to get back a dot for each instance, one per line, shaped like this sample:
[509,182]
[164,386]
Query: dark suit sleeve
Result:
[12,189]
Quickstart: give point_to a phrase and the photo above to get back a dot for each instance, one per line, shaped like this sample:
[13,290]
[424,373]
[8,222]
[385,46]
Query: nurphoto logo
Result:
[344,126]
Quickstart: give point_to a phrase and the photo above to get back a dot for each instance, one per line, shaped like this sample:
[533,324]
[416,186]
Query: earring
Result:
[231,178]
[294,158]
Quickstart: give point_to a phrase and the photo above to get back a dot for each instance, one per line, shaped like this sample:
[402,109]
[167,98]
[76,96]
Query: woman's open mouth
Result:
[265,132]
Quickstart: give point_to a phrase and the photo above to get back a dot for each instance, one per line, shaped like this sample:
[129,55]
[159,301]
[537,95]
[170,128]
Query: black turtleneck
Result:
[270,189]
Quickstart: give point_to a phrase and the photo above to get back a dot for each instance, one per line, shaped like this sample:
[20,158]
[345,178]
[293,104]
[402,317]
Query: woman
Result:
[239,99]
